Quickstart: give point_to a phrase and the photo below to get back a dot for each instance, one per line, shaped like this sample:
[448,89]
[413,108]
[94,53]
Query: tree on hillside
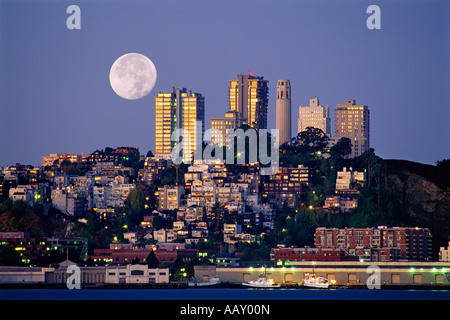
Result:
[342,148]
[152,261]
[312,140]
[134,207]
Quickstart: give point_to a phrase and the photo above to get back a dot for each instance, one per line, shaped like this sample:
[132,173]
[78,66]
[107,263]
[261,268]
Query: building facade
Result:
[444,253]
[336,204]
[166,122]
[193,121]
[285,186]
[249,96]
[136,274]
[339,272]
[283,111]
[179,109]
[378,244]
[353,121]
[284,256]
[347,180]
[170,197]
[314,115]
[220,127]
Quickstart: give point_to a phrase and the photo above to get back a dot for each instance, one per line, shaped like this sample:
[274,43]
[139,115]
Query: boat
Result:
[261,282]
[211,282]
[313,281]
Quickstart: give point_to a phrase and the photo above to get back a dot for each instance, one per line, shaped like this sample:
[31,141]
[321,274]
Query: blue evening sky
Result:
[55,94]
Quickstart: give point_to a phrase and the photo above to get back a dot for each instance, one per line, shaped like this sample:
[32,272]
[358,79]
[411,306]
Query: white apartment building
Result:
[164,235]
[70,201]
[24,192]
[202,195]
[314,115]
[349,179]
[112,195]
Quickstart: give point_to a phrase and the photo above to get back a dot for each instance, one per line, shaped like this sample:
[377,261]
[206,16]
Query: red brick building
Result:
[378,244]
[283,256]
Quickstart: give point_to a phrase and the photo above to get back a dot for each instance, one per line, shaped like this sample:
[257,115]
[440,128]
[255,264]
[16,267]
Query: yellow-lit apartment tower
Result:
[248,96]
[353,121]
[179,109]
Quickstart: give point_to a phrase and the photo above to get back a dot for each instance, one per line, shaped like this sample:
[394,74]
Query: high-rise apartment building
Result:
[165,122]
[353,121]
[248,95]
[179,109]
[193,121]
[283,111]
[220,126]
[314,115]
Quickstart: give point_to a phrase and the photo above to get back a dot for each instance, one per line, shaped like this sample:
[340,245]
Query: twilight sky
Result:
[55,94]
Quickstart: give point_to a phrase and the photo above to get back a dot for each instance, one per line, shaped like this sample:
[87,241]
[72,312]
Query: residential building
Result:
[125,256]
[23,192]
[193,213]
[338,203]
[153,169]
[314,115]
[444,253]
[193,121]
[283,256]
[221,126]
[73,158]
[179,109]
[170,197]
[166,122]
[353,121]
[378,244]
[285,186]
[283,111]
[249,96]
[347,180]
[202,194]
[70,201]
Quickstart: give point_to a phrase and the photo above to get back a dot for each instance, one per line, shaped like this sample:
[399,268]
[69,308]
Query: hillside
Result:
[420,198]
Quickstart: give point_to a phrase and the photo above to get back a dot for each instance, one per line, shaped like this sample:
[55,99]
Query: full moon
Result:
[132,76]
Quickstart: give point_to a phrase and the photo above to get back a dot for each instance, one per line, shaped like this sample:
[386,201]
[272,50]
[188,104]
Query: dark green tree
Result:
[342,148]
[312,140]
[152,261]
[134,207]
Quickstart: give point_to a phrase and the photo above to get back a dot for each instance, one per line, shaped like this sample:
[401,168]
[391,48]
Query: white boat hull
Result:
[256,285]
[214,282]
[312,281]
[316,286]
[261,282]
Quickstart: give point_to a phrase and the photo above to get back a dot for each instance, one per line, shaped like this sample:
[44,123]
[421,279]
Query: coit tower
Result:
[283,111]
